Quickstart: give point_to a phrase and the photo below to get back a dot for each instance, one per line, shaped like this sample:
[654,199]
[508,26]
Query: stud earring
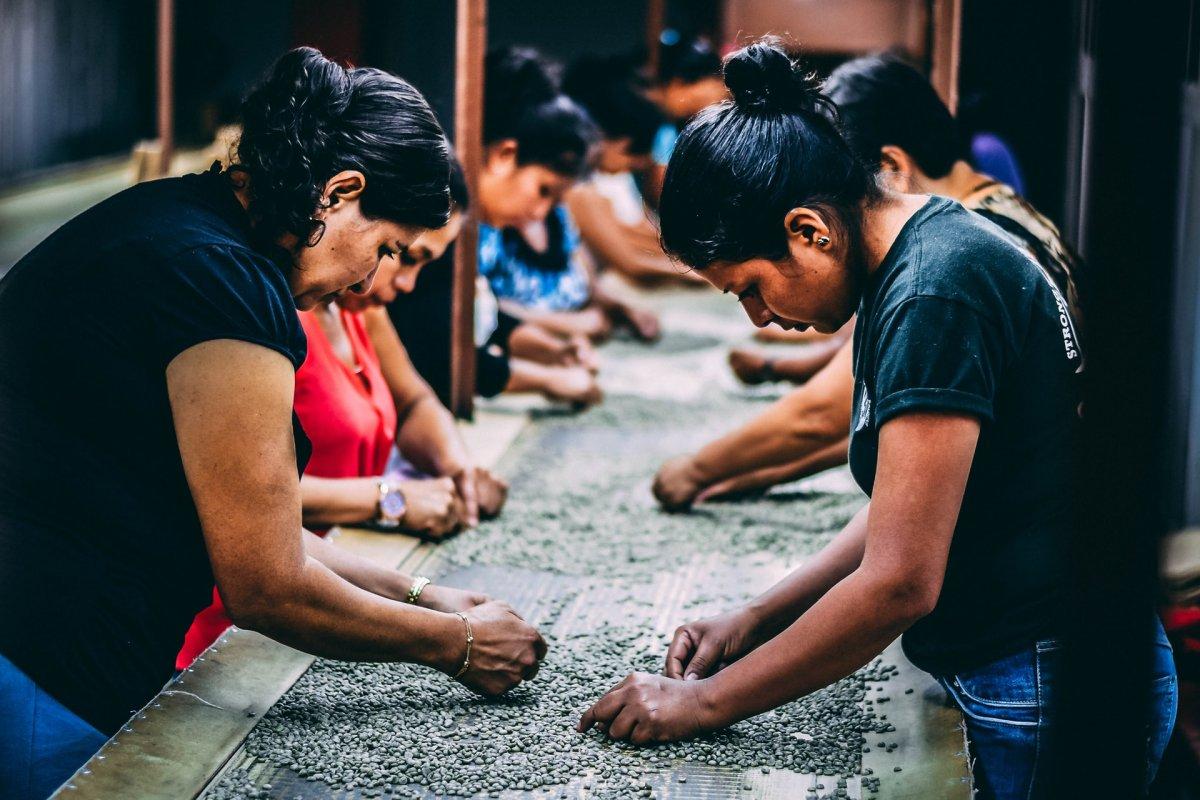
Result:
[822,241]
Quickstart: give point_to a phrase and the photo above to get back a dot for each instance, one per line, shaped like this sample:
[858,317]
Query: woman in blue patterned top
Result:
[538,143]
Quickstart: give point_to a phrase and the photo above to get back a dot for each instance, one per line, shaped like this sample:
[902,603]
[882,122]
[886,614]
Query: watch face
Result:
[392,505]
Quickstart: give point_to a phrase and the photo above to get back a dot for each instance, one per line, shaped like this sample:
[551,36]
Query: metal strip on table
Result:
[182,738]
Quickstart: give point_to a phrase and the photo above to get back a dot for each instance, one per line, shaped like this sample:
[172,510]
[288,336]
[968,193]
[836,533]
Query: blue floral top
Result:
[556,280]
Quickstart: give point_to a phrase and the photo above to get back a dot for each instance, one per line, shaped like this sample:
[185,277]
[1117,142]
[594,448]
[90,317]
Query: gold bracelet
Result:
[418,586]
[470,638]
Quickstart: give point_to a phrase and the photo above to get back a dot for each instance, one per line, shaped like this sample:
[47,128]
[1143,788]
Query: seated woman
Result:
[538,144]
[966,404]
[615,224]
[511,356]
[891,117]
[686,81]
[384,449]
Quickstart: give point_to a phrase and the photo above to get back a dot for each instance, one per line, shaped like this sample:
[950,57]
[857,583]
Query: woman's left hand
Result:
[444,598]
[646,708]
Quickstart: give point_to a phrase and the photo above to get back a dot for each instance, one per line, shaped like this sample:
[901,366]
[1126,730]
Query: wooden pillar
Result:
[656,16]
[470,47]
[946,30]
[166,84]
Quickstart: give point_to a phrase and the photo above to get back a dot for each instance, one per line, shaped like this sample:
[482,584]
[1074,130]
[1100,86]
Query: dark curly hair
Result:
[741,165]
[311,118]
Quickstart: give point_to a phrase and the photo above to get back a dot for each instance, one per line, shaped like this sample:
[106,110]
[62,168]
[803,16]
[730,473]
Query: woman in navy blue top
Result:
[148,444]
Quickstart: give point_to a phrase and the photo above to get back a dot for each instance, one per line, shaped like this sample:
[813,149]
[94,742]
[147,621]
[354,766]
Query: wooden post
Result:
[470,47]
[656,16]
[166,84]
[946,34]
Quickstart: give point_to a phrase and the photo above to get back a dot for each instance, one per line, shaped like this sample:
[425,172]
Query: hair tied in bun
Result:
[764,79]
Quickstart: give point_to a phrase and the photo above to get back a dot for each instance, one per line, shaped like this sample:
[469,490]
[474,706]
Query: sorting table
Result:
[181,743]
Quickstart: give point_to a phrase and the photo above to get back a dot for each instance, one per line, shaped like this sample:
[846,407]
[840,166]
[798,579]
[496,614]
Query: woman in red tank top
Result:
[357,396]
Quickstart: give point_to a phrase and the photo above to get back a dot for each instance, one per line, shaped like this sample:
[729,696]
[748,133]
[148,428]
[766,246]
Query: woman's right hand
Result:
[677,484]
[702,648]
[506,649]
[432,506]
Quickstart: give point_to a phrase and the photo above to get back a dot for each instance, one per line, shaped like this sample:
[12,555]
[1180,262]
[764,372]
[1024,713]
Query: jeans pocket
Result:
[1010,682]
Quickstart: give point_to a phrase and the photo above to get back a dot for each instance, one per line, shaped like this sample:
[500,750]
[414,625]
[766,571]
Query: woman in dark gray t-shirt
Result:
[148,350]
[964,411]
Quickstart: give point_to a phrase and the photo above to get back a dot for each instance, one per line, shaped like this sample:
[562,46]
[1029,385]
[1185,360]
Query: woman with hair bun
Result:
[965,407]
[174,307]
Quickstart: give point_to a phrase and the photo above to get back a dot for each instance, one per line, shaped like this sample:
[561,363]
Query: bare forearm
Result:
[808,420]
[429,439]
[851,624]
[779,606]
[527,376]
[536,343]
[361,572]
[320,613]
[338,501]
[761,479]
[626,248]
[793,428]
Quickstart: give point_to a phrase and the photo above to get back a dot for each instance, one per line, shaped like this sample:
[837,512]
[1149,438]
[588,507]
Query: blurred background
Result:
[1097,102]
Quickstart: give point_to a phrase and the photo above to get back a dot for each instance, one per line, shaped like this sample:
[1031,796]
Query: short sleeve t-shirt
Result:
[102,561]
[958,319]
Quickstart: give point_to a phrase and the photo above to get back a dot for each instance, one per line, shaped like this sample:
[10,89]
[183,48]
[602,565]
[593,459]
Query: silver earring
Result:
[822,241]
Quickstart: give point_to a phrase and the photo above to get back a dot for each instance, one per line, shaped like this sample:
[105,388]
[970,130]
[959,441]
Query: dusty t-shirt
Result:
[958,319]
[102,561]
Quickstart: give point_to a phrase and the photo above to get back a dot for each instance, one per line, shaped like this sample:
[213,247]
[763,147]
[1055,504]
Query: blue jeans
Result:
[1007,709]
[41,742]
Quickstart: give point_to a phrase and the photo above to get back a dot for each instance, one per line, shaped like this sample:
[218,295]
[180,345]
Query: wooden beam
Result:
[946,35]
[166,84]
[656,16]
[470,47]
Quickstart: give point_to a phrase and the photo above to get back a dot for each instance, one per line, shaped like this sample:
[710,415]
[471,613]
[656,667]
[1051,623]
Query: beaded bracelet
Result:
[470,638]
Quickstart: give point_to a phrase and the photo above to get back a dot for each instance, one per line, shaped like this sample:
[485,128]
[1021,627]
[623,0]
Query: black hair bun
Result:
[520,76]
[763,78]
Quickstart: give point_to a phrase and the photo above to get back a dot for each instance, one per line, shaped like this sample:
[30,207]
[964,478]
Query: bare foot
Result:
[574,385]
[750,367]
[774,334]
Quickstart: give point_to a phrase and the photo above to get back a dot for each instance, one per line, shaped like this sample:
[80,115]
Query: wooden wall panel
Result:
[76,80]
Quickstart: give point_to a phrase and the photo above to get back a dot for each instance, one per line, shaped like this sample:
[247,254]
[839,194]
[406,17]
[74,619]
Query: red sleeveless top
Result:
[350,417]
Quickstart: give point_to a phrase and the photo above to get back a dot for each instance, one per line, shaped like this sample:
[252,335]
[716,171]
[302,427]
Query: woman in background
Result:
[688,80]
[613,220]
[894,122]
[538,143]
